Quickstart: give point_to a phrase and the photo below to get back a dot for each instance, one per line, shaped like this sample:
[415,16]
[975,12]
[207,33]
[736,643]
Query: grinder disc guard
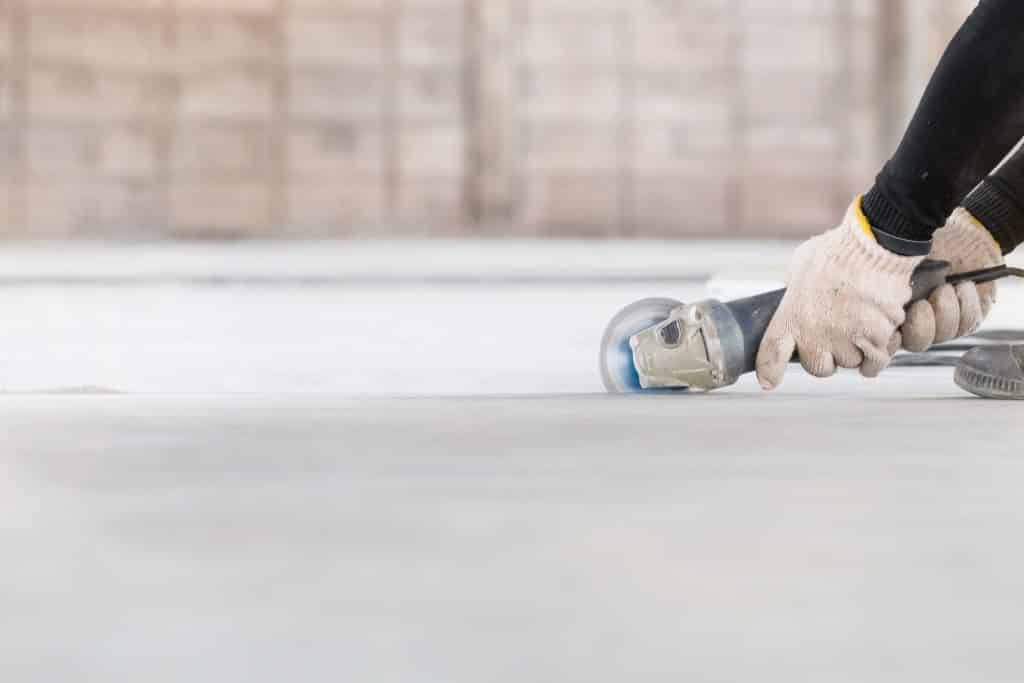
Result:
[618,371]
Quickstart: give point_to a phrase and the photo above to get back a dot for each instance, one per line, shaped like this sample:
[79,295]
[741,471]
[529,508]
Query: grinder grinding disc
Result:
[616,360]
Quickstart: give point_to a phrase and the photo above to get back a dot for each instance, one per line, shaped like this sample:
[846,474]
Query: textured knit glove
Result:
[843,305]
[954,311]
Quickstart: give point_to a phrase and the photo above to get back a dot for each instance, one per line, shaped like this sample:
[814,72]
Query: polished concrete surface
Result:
[837,536]
[262,501]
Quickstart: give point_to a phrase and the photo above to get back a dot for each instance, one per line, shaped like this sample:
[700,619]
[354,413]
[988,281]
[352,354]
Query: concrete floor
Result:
[263,502]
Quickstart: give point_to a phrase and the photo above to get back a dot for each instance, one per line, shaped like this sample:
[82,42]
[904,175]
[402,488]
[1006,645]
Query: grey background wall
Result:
[143,119]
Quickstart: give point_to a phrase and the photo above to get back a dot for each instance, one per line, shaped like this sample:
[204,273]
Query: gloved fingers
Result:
[876,358]
[773,356]
[987,296]
[817,362]
[876,328]
[894,344]
[971,316]
[946,306]
[919,327]
[848,356]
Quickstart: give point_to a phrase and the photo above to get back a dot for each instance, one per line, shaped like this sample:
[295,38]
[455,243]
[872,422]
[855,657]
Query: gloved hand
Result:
[954,311]
[843,305]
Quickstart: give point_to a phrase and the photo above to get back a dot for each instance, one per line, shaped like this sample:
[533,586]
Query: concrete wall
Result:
[143,119]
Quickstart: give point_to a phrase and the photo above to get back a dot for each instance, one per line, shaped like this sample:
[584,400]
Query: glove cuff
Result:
[993,205]
[973,241]
[859,248]
[885,215]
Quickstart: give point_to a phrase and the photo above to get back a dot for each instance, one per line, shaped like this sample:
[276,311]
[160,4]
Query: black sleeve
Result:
[999,203]
[970,117]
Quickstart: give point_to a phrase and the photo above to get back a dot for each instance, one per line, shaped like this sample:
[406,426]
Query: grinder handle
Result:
[753,314]
[927,277]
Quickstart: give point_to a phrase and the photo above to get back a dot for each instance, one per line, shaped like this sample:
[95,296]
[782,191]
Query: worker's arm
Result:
[970,117]
[847,288]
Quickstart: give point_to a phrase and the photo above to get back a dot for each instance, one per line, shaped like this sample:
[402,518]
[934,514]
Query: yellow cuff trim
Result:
[862,220]
[984,229]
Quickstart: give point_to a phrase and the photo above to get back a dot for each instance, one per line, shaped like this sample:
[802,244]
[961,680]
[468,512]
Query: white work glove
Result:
[843,305]
[955,311]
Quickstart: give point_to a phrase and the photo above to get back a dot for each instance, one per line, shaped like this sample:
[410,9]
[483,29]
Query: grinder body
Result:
[706,345]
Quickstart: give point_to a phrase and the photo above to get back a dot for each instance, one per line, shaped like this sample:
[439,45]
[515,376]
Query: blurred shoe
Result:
[993,371]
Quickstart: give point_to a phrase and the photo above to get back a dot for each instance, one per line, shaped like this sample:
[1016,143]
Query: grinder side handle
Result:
[928,277]
[753,314]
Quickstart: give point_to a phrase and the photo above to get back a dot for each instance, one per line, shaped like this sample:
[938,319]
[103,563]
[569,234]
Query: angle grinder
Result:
[665,345]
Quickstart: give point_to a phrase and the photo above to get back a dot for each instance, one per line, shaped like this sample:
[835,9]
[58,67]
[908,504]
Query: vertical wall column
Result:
[225,165]
[13,84]
[572,115]
[93,103]
[681,129]
[430,117]
[893,48]
[493,177]
[278,153]
[391,113]
[864,117]
[340,143]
